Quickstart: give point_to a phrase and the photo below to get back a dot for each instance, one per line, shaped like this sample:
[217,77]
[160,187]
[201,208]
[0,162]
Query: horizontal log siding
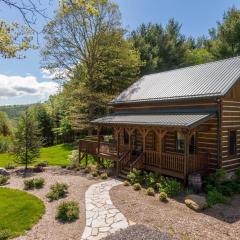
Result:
[207,142]
[230,120]
[170,142]
[164,106]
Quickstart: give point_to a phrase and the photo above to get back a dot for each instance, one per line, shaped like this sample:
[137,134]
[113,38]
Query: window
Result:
[180,142]
[232,142]
[192,144]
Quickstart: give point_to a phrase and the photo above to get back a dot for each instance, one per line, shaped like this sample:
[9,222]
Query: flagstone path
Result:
[102,217]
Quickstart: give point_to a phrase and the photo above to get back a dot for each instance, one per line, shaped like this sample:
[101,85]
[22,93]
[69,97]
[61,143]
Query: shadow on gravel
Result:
[139,232]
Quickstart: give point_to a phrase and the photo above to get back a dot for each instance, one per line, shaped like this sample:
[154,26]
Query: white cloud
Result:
[57,74]
[18,86]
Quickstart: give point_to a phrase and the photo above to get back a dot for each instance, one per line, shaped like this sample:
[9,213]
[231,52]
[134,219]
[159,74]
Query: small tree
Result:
[27,141]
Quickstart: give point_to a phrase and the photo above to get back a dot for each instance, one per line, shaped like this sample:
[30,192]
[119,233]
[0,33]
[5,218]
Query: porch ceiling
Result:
[189,120]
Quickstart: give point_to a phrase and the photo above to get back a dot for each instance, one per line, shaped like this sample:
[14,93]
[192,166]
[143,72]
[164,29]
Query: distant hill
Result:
[13,111]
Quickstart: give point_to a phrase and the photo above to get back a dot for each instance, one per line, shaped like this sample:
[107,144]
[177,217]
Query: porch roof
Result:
[188,120]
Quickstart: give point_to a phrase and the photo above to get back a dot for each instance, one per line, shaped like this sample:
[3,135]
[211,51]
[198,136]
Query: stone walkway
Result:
[102,217]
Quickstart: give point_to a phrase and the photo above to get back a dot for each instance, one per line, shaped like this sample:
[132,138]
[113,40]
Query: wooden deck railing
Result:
[174,162]
[122,162]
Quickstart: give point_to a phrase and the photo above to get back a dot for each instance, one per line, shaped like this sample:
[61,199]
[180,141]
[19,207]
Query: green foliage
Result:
[32,183]
[214,197]
[29,184]
[39,183]
[68,211]
[104,176]
[9,166]
[151,178]
[5,144]
[135,176]
[5,234]
[12,203]
[170,186]
[137,186]
[5,126]
[42,164]
[126,183]
[58,190]
[160,48]
[163,196]
[15,39]
[237,173]
[150,191]
[4,179]
[74,159]
[27,142]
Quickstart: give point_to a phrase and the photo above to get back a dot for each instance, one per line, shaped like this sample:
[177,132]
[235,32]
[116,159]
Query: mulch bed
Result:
[139,232]
[219,223]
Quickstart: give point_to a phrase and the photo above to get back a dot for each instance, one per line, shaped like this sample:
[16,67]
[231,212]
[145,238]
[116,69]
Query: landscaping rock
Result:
[4,172]
[196,202]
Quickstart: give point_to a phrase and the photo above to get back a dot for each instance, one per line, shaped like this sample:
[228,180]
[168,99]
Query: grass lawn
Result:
[55,155]
[19,211]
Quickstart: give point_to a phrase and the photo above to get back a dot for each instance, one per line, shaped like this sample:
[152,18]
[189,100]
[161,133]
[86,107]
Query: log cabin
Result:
[176,122]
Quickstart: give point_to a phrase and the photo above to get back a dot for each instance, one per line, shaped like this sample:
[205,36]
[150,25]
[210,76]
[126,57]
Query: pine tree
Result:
[27,141]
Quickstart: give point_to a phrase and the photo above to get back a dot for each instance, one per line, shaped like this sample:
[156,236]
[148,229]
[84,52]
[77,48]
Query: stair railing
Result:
[122,162]
[138,162]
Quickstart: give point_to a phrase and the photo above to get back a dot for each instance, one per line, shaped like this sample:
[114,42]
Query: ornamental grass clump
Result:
[150,191]
[68,211]
[33,183]
[163,197]
[58,190]
[4,180]
[104,176]
[137,187]
[126,183]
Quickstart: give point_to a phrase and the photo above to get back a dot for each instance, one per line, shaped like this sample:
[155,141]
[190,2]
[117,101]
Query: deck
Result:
[171,164]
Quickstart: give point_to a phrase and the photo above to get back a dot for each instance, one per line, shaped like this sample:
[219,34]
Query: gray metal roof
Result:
[213,79]
[165,120]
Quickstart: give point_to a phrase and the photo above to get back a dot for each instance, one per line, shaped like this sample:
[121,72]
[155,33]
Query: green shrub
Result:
[64,166]
[94,174]
[170,186]
[9,166]
[157,186]
[163,196]
[4,179]
[151,179]
[150,191]
[135,176]
[29,184]
[39,183]
[5,234]
[214,197]
[137,186]
[68,211]
[126,183]
[58,190]
[41,164]
[74,159]
[104,176]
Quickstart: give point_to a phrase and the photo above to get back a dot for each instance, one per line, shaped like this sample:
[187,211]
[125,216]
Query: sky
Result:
[24,82]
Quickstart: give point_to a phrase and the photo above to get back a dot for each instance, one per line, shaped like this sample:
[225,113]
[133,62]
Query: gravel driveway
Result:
[48,227]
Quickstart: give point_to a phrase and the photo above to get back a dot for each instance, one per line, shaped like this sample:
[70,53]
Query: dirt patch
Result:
[221,222]
[48,227]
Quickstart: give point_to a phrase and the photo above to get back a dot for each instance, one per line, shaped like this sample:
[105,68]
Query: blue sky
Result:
[22,81]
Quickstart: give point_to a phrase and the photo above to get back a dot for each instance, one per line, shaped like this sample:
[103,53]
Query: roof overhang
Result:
[189,120]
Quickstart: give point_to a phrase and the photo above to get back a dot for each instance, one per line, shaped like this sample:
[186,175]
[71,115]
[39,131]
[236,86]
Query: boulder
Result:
[4,172]
[196,202]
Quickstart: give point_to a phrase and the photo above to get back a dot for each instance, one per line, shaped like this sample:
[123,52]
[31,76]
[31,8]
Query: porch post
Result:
[98,139]
[186,154]
[118,140]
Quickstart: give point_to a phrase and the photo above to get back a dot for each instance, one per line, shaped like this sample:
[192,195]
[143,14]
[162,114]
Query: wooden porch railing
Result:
[91,147]
[122,162]
[174,162]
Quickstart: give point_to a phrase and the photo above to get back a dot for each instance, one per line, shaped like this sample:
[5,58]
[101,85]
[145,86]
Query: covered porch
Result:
[134,144]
